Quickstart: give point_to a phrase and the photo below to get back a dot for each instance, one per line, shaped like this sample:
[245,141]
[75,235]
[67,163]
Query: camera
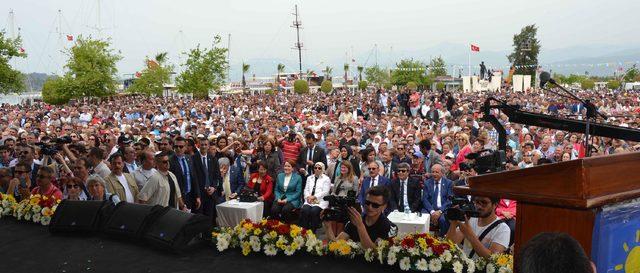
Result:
[488,161]
[292,136]
[52,147]
[460,207]
[338,207]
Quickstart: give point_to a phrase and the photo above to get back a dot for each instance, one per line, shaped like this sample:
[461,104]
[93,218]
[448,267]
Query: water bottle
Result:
[407,213]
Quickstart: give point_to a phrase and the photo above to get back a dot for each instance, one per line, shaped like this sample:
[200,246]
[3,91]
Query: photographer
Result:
[484,235]
[370,227]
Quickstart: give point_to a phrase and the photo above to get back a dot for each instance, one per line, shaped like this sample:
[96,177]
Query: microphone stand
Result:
[592,113]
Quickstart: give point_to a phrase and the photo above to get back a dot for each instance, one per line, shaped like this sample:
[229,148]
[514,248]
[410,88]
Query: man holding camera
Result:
[484,235]
[370,227]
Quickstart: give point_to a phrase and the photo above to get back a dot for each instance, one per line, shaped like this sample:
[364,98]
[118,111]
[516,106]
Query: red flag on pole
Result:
[138,74]
[475,48]
[69,37]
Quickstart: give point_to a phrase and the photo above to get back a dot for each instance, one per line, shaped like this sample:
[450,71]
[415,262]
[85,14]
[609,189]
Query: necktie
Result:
[402,194]
[206,172]
[187,175]
[437,191]
[310,168]
[387,170]
[373,182]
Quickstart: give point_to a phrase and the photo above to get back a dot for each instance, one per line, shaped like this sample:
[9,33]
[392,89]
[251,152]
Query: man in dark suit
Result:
[435,199]
[374,179]
[405,191]
[431,157]
[309,156]
[388,164]
[207,171]
[181,166]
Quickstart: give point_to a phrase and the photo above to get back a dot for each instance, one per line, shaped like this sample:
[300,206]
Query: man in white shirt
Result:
[96,158]
[162,187]
[482,236]
[147,169]
[121,184]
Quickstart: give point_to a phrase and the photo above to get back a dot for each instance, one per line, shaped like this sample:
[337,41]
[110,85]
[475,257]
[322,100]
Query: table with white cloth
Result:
[232,212]
[410,223]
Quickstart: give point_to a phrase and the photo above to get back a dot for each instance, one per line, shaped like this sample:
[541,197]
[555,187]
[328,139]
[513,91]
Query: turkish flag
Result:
[138,74]
[475,48]
[69,37]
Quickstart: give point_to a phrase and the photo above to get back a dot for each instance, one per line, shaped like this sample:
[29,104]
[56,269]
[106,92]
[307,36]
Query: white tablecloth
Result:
[411,223]
[230,213]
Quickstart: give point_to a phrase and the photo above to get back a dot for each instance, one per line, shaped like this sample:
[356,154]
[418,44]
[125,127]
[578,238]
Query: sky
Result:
[333,31]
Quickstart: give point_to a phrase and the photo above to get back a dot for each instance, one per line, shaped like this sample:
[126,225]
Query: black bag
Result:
[174,229]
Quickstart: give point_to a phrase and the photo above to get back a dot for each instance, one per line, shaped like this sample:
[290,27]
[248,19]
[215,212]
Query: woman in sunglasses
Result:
[74,189]
[317,187]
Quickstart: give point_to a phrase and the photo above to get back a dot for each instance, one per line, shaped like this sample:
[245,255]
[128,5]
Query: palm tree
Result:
[161,57]
[327,72]
[245,69]
[346,70]
[360,68]
[280,70]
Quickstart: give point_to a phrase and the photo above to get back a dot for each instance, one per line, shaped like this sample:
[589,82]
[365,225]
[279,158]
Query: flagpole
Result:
[469,52]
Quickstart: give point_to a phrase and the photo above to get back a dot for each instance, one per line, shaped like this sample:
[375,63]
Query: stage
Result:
[27,247]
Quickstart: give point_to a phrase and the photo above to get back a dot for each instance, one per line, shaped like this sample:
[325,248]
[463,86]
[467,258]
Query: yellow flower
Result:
[423,243]
[263,222]
[273,234]
[47,211]
[333,246]
[295,230]
[504,260]
[246,248]
[294,245]
[247,226]
[34,200]
[257,231]
[345,249]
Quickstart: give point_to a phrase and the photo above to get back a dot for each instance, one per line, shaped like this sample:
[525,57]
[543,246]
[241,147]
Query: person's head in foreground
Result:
[554,252]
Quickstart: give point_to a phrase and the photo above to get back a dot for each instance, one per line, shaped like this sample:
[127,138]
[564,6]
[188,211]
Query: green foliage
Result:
[326,86]
[362,85]
[409,70]
[206,70]
[360,69]
[587,84]
[525,51]
[280,69]
[388,86]
[58,90]
[11,80]
[153,78]
[440,86]
[377,76]
[437,67]
[632,74]
[412,85]
[614,84]
[91,72]
[301,87]
[245,69]
[327,72]
[269,92]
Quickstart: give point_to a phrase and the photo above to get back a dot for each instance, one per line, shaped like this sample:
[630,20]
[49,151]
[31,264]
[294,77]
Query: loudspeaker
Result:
[78,216]
[131,221]
[174,229]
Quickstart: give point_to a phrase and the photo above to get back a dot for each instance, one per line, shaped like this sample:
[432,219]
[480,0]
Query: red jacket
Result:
[502,207]
[266,186]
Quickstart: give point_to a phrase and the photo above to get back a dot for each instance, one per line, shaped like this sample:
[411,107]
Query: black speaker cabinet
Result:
[78,216]
[174,229]
[130,221]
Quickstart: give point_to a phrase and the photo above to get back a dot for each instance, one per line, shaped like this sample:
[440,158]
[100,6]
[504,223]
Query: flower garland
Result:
[496,263]
[268,236]
[7,204]
[422,252]
[37,208]
[343,248]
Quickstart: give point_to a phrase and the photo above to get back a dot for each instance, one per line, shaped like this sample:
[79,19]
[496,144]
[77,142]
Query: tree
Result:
[632,74]
[346,72]
[326,86]
[360,69]
[437,67]
[245,69]
[613,84]
[91,72]
[301,87]
[408,70]
[440,86]
[206,70]
[280,69]
[525,51]
[412,85]
[153,78]
[58,90]
[327,72]
[362,85]
[11,80]
[377,76]
[587,84]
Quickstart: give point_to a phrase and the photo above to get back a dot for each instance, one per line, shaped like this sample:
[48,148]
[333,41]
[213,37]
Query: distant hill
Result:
[35,81]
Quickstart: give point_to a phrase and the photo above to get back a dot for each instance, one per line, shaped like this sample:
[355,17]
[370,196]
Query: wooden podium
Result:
[562,197]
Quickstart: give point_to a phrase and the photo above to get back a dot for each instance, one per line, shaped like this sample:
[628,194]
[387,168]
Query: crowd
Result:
[392,150]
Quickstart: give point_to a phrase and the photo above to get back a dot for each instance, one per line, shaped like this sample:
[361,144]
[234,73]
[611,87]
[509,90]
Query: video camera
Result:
[52,147]
[338,207]
[460,207]
[488,161]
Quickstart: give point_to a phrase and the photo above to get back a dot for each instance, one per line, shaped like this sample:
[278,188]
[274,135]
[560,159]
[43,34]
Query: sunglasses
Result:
[178,146]
[318,168]
[403,171]
[73,187]
[20,172]
[373,169]
[372,204]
